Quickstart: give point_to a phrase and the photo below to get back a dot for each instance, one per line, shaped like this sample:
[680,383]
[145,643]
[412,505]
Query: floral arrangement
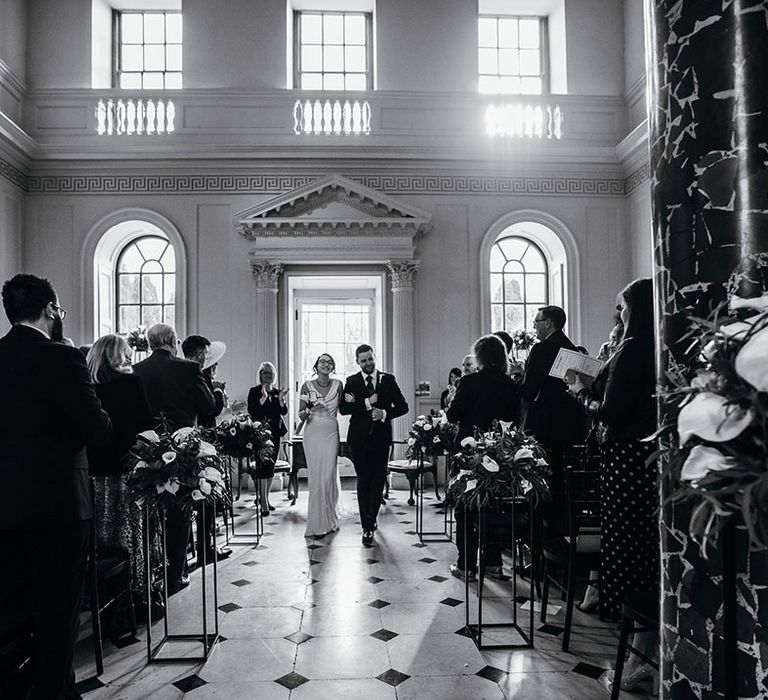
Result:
[430,436]
[718,446]
[245,439]
[175,468]
[523,340]
[137,339]
[500,463]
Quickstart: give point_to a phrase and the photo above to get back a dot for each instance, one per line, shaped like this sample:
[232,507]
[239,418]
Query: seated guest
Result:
[48,413]
[266,403]
[468,364]
[119,521]
[487,395]
[450,391]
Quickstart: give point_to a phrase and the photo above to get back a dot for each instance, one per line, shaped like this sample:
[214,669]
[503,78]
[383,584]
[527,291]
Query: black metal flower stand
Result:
[444,535]
[239,536]
[507,506]
[209,634]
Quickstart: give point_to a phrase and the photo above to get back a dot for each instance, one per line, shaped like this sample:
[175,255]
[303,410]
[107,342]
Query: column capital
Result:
[266,274]
[402,272]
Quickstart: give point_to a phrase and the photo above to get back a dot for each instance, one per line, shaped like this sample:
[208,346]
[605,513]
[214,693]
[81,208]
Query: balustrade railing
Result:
[524,120]
[331,117]
[130,116]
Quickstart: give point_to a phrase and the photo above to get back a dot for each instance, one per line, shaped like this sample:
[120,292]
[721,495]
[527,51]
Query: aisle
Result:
[331,619]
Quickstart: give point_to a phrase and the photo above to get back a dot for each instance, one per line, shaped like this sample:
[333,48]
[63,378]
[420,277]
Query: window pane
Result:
[311,58]
[529,63]
[173,28]
[514,318]
[508,62]
[530,314]
[173,57]
[130,260]
[131,29]
[154,28]
[354,59]
[486,31]
[128,318]
[154,58]
[508,33]
[333,81]
[169,289]
[151,289]
[497,312]
[169,315]
[514,248]
[333,29]
[151,267]
[335,328]
[311,81]
[355,81]
[354,29]
[529,33]
[153,81]
[129,289]
[531,86]
[130,81]
[535,289]
[513,288]
[487,61]
[173,81]
[496,285]
[132,58]
[533,260]
[497,259]
[489,84]
[150,315]
[333,58]
[152,248]
[311,28]
[168,259]
[509,85]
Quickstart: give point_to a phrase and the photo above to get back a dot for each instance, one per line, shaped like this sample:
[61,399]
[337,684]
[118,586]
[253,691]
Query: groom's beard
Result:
[57,330]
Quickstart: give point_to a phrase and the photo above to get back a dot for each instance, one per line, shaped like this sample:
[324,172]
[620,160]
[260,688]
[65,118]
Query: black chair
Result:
[283,463]
[639,613]
[563,552]
[410,469]
[109,580]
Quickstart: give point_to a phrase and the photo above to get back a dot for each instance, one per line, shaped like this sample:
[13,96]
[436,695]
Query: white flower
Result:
[703,460]
[421,418]
[470,485]
[526,485]
[411,442]
[257,424]
[168,457]
[233,431]
[149,436]
[197,495]
[523,453]
[206,449]
[249,445]
[428,426]
[468,441]
[463,472]
[443,418]
[490,464]
[436,439]
[213,474]
[760,303]
[703,379]
[542,462]
[182,434]
[712,418]
[738,329]
[205,487]
[141,464]
[752,360]
[171,486]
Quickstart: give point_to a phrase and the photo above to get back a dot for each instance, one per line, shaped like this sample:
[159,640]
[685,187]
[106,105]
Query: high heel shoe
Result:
[630,680]
[591,598]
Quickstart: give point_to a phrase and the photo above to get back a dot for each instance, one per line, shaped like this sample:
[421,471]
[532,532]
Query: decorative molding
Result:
[402,273]
[637,178]
[266,274]
[636,91]
[344,229]
[12,81]
[13,175]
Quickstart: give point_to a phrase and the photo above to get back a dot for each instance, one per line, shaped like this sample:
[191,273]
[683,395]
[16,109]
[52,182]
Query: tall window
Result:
[148,50]
[145,284]
[512,55]
[333,51]
[519,283]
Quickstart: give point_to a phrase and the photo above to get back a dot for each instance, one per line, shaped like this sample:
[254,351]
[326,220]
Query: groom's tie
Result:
[369,385]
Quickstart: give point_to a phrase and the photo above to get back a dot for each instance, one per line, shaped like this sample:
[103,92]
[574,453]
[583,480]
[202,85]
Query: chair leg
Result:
[544,593]
[131,611]
[570,587]
[411,484]
[626,628]
[386,484]
[96,628]
[434,479]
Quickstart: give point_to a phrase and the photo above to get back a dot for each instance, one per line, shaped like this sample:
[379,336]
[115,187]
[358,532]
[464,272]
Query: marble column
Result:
[708,117]
[266,275]
[402,273]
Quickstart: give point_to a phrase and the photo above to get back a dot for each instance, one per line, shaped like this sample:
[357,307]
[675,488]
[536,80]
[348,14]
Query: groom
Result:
[371,399]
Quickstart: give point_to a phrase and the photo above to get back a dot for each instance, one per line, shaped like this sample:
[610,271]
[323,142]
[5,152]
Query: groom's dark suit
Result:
[48,413]
[369,439]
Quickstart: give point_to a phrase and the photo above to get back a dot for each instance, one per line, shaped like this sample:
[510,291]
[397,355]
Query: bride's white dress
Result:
[321,448]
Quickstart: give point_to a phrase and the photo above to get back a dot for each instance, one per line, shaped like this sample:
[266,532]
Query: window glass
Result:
[149,50]
[510,55]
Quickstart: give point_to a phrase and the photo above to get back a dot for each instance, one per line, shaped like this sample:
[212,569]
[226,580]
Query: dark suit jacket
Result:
[48,412]
[218,401]
[552,415]
[481,398]
[124,400]
[175,387]
[361,427]
[271,412]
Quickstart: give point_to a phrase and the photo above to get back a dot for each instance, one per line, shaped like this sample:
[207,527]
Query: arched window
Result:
[519,282]
[145,283]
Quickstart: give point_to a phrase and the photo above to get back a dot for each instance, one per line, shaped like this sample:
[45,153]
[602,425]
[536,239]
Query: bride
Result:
[319,403]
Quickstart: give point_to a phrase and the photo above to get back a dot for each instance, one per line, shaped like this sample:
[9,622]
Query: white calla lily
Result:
[141,464]
[213,474]
[468,441]
[489,464]
[702,460]
[470,485]
[197,495]
[171,486]
[523,453]
[712,418]
[168,457]
[428,426]
[205,487]
[182,434]
[751,362]
[149,436]
[206,449]
[443,418]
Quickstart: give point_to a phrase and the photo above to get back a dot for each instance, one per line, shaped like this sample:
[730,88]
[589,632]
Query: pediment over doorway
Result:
[333,219]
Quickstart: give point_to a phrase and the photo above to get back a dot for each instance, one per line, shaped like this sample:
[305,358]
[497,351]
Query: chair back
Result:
[582,494]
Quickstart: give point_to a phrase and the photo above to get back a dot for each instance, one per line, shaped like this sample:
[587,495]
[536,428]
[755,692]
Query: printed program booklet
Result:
[572,359]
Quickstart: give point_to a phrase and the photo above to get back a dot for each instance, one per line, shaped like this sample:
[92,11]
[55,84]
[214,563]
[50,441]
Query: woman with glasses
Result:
[267,404]
[318,407]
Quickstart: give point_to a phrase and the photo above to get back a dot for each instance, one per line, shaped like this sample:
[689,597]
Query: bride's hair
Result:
[324,354]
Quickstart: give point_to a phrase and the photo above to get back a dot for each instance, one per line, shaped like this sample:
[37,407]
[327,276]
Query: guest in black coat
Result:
[482,397]
[176,390]
[266,403]
[450,391]
[119,521]
[48,413]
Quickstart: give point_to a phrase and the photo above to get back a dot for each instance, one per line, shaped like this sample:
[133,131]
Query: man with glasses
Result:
[48,413]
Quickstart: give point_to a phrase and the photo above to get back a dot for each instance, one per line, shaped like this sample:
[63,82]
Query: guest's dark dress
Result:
[622,399]
[444,399]
[271,413]
[119,520]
